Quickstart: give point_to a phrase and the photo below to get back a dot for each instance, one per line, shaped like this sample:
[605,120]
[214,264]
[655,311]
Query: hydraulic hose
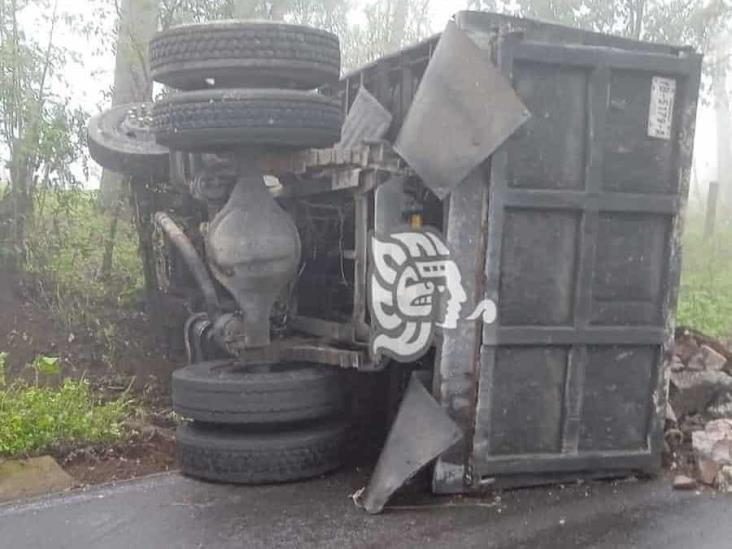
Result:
[193,261]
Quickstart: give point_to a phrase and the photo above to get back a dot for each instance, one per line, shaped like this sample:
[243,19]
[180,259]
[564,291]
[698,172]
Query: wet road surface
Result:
[169,511]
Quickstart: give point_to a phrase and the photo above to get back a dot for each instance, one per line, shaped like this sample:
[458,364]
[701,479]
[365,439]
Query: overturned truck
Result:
[488,221]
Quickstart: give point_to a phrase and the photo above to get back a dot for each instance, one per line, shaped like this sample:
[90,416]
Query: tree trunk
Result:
[21,206]
[398,24]
[724,131]
[132,83]
[638,8]
[108,258]
[278,9]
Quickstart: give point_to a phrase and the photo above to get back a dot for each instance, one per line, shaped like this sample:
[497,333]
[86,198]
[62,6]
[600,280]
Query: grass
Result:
[705,298]
[35,419]
[65,249]
[66,246]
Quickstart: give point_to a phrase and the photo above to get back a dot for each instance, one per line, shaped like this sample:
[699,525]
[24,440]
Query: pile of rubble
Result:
[699,415]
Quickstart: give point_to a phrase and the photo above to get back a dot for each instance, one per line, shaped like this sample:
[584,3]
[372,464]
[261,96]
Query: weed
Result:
[705,298]
[65,254]
[34,419]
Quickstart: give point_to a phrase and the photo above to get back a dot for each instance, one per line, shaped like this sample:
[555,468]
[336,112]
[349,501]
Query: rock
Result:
[708,471]
[721,408]
[723,482]
[695,391]
[713,449]
[686,347]
[696,362]
[26,478]
[682,482]
[709,359]
[676,364]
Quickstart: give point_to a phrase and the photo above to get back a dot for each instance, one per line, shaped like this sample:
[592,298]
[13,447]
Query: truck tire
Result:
[228,455]
[223,392]
[120,139]
[210,120]
[245,55]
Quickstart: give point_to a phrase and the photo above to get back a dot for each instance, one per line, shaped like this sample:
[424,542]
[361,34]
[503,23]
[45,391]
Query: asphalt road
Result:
[169,511]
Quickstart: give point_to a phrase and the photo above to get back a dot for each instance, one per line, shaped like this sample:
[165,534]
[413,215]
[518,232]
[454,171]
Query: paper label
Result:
[661,115]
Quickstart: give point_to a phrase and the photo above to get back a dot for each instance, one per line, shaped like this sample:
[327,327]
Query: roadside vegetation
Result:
[705,298]
[38,416]
[73,270]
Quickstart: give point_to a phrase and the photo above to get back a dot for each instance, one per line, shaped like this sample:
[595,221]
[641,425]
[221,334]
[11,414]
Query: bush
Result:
[35,419]
[705,298]
[66,247]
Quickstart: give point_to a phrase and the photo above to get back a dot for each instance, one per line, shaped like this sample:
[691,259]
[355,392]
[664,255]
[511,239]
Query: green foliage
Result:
[65,255]
[35,419]
[3,365]
[46,365]
[705,299]
[41,135]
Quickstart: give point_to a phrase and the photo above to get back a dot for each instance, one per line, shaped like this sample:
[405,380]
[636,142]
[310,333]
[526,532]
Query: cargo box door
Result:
[582,248]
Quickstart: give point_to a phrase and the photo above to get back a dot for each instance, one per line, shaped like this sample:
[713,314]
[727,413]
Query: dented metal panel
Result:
[463,110]
[580,215]
[456,361]
[582,259]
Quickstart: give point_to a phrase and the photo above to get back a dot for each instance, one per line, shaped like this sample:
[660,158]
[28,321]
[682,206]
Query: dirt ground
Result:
[144,455]
[27,330]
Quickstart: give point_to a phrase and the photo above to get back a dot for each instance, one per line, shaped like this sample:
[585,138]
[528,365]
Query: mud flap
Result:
[421,432]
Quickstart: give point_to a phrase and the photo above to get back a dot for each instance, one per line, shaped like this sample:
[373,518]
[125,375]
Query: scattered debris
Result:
[698,439]
[676,364]
[682,482]
[694,391]
[721,408]
[707,359]
[713,449]
[724,480]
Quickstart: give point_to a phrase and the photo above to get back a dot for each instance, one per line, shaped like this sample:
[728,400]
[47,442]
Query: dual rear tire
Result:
[259,424]
[244,85]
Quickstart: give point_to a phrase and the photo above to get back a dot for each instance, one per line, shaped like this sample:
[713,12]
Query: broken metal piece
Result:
[421,432]
[367,120]
[462,112]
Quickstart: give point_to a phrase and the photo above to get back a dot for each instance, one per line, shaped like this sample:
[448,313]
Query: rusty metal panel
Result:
[367,120]
[582,259]
[456,361]
[463,110]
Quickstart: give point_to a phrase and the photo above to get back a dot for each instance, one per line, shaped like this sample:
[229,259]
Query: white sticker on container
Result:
[661,115]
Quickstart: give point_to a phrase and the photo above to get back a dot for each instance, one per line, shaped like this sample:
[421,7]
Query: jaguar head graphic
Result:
[414,287]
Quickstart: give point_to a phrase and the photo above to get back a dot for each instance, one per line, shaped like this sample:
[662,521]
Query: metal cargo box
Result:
[572,228]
